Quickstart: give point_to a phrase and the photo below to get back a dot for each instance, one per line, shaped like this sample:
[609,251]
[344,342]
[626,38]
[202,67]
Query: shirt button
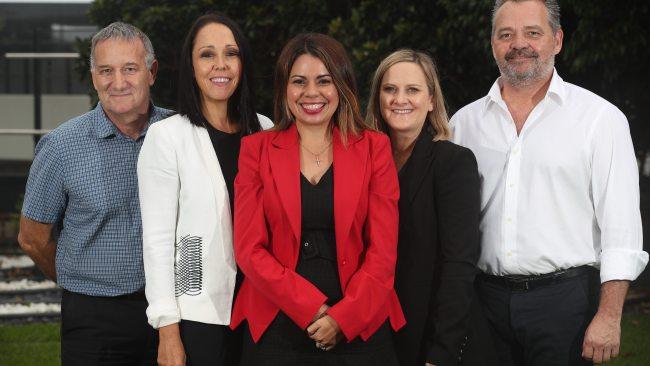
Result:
[509,254]
[509,219]
[345,262]
[511,185]
[306,244]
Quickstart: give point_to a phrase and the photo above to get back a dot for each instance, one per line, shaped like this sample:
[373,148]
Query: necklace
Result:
[317,156]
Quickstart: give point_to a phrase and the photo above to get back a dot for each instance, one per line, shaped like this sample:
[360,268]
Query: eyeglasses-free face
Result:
[311,94]
[216,62]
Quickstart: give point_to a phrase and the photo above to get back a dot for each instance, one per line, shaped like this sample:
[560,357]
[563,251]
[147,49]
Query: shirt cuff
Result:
[41,217]
[159,318]
[622,264]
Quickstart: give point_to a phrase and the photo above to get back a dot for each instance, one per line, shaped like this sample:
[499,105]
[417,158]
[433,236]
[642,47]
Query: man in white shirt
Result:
[560,199]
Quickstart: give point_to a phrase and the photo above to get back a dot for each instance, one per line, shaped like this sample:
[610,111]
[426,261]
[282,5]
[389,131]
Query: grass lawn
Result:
[32,344]
[38,344]
[635,349]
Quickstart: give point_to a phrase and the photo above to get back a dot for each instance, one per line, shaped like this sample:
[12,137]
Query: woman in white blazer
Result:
[186,170]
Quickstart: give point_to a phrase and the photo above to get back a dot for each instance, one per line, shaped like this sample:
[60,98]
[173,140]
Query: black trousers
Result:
[205,344]
[544,326]
[106,331]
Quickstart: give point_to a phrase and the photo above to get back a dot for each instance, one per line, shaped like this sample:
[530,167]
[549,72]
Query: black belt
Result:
[135,296]
[318,243]
[527,283]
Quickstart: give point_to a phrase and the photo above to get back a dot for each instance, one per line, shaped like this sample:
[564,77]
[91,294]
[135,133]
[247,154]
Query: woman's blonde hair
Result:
[437,118]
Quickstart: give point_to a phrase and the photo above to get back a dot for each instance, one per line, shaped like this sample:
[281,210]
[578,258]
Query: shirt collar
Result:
[104,128]
[555,88]
[494,95]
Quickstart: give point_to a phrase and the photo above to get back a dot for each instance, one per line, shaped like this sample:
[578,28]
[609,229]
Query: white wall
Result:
[18,112]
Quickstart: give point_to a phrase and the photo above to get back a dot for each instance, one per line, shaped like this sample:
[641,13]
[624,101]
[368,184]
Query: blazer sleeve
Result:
[456,195]
[369,288]
[293,294]
[158,184]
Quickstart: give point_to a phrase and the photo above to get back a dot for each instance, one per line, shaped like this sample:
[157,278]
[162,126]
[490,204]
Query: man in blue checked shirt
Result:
[81,217]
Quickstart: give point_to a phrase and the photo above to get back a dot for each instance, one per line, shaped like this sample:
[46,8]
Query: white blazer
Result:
[187,225]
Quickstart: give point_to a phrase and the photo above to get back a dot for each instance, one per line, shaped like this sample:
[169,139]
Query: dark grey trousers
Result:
[544,326]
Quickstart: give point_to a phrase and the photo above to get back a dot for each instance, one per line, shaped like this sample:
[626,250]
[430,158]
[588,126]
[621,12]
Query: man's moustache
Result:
[521,53]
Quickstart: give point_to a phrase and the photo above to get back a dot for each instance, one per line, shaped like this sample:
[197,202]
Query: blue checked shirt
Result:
[84,177]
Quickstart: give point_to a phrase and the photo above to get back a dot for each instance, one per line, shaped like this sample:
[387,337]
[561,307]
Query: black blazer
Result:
[437,252]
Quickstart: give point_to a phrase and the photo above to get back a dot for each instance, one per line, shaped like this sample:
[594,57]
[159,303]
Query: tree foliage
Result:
[267,25]
[605,48]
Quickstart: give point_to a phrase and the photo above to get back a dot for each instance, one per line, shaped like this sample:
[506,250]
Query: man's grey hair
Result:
[125,32]
[552,12]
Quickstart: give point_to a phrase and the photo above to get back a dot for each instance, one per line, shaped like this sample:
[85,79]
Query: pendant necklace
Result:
[317,156]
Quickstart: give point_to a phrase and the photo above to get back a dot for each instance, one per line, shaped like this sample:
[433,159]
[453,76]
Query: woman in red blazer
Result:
[316,221]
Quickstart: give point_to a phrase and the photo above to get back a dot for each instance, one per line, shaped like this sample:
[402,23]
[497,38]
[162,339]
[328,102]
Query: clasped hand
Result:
[324,330]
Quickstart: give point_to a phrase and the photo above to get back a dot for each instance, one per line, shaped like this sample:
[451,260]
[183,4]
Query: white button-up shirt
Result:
[563,193]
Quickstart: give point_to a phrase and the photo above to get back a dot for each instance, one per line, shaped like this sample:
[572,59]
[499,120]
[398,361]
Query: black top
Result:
[226,146]
[317,260]
[317,202]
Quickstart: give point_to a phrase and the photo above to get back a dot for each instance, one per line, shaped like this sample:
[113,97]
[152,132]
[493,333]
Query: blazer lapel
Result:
[212,167]
[421,159]
[284,158]
[349,170]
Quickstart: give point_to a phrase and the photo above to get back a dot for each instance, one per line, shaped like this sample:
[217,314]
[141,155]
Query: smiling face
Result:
[216,62]
[312,97]
[121,77]
[404,98]
[523,44]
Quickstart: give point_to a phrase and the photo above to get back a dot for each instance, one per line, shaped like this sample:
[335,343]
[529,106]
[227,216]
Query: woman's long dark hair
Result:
[333,55]
[241,104]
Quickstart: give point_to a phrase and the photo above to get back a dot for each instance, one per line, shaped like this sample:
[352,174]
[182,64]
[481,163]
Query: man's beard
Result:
[540,68]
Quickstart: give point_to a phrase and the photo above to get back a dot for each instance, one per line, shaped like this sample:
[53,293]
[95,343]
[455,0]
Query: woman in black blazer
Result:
[439,215]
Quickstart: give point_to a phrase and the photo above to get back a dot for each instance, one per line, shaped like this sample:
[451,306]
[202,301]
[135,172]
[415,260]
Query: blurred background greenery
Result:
[606,45]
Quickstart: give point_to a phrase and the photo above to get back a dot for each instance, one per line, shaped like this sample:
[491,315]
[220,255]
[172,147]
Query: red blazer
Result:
[267,233]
